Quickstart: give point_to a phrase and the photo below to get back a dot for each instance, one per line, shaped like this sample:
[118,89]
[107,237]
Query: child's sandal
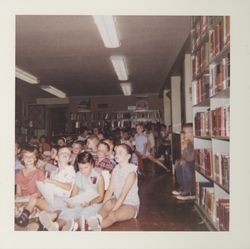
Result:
[23,219]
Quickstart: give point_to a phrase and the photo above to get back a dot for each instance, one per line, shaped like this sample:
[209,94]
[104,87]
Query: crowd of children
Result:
[89,183]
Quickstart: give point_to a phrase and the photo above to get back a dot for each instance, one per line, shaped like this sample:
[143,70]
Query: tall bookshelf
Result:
[115,119]
[210,46]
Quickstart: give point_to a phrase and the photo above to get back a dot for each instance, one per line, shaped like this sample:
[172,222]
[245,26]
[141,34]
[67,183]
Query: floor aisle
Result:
[159,210]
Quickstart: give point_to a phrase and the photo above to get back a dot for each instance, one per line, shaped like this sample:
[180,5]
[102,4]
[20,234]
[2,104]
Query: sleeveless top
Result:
[119,177]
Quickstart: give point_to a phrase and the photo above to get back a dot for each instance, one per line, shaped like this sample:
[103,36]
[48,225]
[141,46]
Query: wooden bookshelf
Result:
[211,179]
[211,118]
[203,137]
[115,119]
[205,218]
[222,94]
[203,103]
[221,138]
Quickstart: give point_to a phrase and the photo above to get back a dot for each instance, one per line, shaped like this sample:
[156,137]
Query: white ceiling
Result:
[67,52]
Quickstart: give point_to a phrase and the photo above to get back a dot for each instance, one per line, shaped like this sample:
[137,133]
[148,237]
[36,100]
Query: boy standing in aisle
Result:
[141,141]
[141,146]
[184,168]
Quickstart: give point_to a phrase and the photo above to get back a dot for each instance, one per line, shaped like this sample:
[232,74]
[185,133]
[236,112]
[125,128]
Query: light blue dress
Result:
[83,184]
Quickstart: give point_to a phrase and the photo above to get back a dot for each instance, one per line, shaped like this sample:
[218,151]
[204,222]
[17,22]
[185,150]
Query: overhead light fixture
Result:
[107,30]
[54,91]
[119,65]
[126,88]
[25,76]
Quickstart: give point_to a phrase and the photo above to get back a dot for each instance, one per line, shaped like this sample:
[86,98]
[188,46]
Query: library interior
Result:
[122,123]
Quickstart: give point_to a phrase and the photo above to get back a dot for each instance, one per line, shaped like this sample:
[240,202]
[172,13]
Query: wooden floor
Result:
[159,210]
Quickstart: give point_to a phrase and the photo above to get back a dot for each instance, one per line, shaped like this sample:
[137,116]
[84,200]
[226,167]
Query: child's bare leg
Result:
[125,212]
[107,207]
[42,204]
[32,204]
[61,223]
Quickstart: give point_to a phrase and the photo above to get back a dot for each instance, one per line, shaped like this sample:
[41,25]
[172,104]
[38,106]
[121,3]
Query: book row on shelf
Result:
[218,29]
[102,115]
[215,166]
[216,209]
[213,122]
[208,52]
[104,123]
[121,119]
[211,83]
[222,210]
[220,75]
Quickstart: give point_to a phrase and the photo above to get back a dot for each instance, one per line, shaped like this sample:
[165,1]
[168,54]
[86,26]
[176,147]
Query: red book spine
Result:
[227,30]
[214,130]
[218,121]
[202,54]
[204,21]
[193,67]
[212,44]
[217,39]
[198,33]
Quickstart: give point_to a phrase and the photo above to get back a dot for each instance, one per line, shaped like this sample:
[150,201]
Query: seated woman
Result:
[124,205]
[88,180]
[25,180]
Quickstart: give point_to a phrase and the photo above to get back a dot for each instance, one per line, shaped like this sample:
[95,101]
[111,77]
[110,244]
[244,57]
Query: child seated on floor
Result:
[92,143]
[76,149]
[102,160]
[121,200]
[89,183]
[54,189]
[111,153]
[49,161]
[25,179]
[53,155]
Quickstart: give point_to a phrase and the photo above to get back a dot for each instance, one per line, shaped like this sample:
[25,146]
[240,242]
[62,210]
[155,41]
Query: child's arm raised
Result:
[130,180]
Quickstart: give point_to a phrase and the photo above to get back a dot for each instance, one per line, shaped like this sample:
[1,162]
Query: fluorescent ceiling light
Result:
[119,66]
[54,91]
[22,75]
[106,27]
[126,88]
